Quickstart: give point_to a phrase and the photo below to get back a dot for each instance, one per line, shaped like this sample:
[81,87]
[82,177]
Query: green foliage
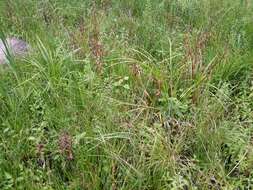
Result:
[137,94]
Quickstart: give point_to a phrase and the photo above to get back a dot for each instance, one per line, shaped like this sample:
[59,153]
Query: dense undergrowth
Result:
[128,94]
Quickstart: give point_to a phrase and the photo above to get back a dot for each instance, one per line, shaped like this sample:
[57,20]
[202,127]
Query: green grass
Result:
[136,94]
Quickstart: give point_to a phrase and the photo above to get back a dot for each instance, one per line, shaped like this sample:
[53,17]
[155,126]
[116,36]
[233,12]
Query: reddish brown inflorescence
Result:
[65,145]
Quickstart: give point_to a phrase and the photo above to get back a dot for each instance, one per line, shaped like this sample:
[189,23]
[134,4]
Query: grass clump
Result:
[128,95]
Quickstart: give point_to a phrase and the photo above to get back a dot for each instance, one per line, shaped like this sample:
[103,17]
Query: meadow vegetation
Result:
[128,94]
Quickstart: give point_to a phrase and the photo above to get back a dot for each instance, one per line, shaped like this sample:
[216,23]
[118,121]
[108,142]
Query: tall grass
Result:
[127,95]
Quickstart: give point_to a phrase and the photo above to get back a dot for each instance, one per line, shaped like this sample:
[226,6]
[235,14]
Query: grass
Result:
[128,95]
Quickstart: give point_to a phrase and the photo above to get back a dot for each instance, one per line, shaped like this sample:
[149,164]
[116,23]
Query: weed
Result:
[135,94]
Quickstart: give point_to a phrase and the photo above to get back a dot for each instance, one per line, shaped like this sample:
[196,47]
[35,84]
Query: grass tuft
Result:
[127,95]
